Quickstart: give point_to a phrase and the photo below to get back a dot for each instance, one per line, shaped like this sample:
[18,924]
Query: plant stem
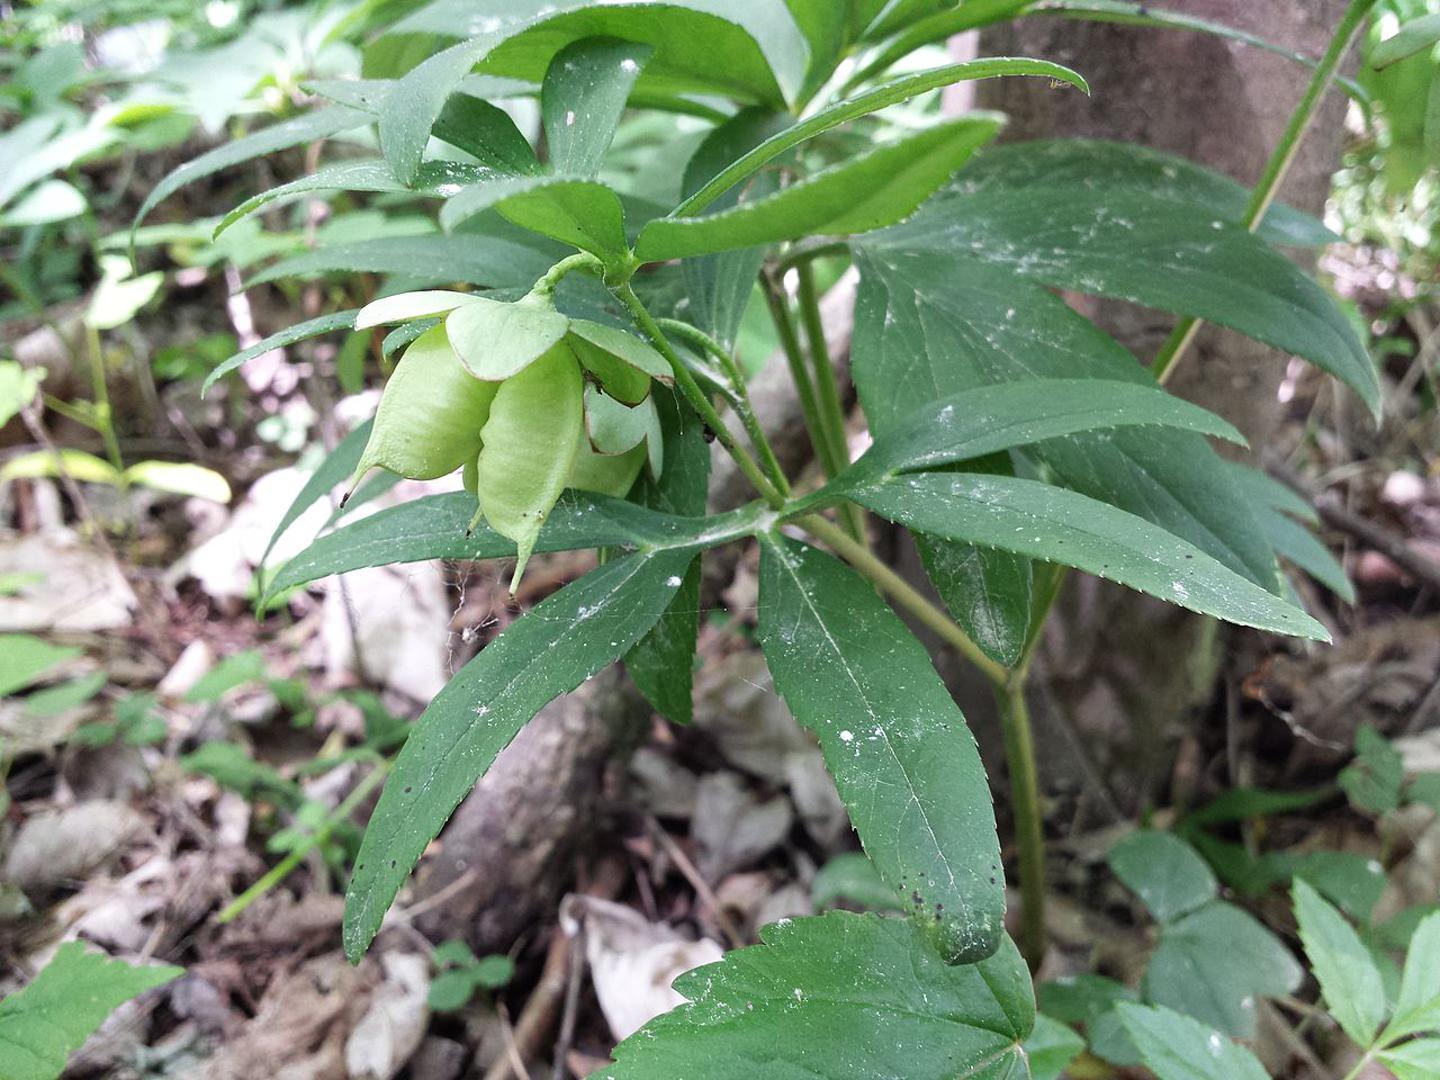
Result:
[804,386]
[696,396]
[581,260]
[903,593]
[281,870]
[1025,808]
[104,417]
[743,408]
[827,387]
[1277,167]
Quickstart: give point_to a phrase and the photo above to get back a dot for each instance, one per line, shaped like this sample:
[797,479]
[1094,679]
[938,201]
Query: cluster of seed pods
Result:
[524,399]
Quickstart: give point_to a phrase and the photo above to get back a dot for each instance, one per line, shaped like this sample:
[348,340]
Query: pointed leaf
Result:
[662,663]
[1176,1047]
[487,133]
[1418,1007]
[875,189]
[1165,872]
[987,591]
[1416,1060]
[324,324]
[403,307]
[583,213]
[1064,527]
[895,742]
[567,638]
[333,471]
[487,261]
[582,98]
[1296,544]
[43,1023]
[1349,981]
[843,996]
[1414,36]
[302,129]
[1267,491]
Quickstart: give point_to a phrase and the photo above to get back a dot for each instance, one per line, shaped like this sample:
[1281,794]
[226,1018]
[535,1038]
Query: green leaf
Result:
[842,112]
[435,179]
[77,464]
[1353,881]
[582,213]
[897,745]
[323,324]
[495,341]
[236,670]
[24,658]
[1417,1060]
[488,261]
[43,1023]
[662,663]
[1374,779]
[1165,872]
[582,98]
[1264,489]
[1296,544]
[1414,36]
[1418,1007]
[487,133]
[852,877]
[1176,1047]
[305,128]
[55,700]
[333,471]
[931,323]
[843,996]
[18,387]
[493,972]
[1350,984]
[867,192]
[451,990]
[1246,804]
[1023,217]
[1050,1048]
[454,953]
[179,478]
[1064,527]
[988,419]
[434,527]
[567,638]
[987,591]
[1213,963]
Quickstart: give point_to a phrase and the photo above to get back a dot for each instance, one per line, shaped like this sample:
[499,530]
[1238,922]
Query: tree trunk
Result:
[1124,672]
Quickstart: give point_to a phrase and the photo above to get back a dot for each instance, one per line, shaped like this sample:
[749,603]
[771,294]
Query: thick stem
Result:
[1025,808]
[1277,167]
[827,392]
[696,396]
[903,593]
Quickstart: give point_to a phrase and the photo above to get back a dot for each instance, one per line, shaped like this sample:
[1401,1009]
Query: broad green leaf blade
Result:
[928,324]
[897,745]
[877,188]
[840,996]
[1296,544]
[988,591]
[434,528]
[1165,872]
[551,650]
[583,213]
[1213,963]
[323,324]
[1349,981]
[333,471]
[1055,525]
[487,133]
[1135,244]
[842,112]
[491,262]
[989,419]
[1265,490]
[43,1023]
[1051,1047]
[1176,1047]
[1415,1060]
[302,129]
[582,98]
[25,657]
[1414,36]
[435,179]
[495,341]
[662,663]
[1373,781]
[1418,1007]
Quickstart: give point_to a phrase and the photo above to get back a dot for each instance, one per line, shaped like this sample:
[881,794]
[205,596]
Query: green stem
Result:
[827,386]
[581,260]
[696,396]
[104,417]
[795,358]
[741,404]
[1025,808]
[903,593]
[1277,167]
[281,870]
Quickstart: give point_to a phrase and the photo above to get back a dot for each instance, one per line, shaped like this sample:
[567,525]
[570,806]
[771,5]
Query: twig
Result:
[539,1012]
[1381,539]
[572,1004]
[702,889]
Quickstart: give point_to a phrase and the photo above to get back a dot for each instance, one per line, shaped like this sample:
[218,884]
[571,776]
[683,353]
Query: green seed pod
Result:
[617,428]
[623,363]
[530,445]
[495,341]
[430,415]
[607,474]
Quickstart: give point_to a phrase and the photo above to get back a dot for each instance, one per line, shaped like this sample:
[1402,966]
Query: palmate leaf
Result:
[898,747]
[551,650]
[42,1024]
[843,996]
[434,527]
[868,192]
[1176,1047]
[1065,527]
[1166,873]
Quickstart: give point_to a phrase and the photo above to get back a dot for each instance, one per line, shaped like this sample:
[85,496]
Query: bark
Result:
[1123,671]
